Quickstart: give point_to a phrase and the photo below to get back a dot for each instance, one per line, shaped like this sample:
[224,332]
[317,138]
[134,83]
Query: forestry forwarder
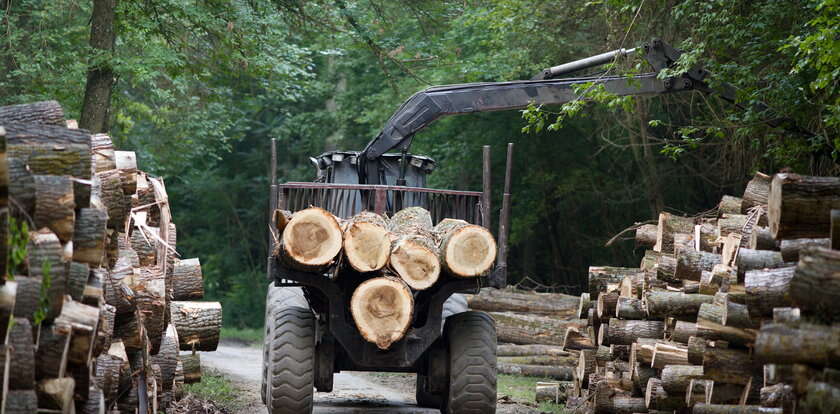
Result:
[310,333]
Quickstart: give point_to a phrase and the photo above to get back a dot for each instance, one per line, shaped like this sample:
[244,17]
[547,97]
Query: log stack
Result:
[732,327]
[382,262]
[87,301]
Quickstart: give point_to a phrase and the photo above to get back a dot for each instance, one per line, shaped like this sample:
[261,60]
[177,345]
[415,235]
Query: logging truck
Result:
[325,314]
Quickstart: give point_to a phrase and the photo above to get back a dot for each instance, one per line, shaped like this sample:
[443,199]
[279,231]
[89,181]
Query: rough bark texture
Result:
[762,239]
[683,331]
[749,259]
[676,378]
[108,190]
[192,367]
[730,205]
[507,350]
[466,250]
[96,106]
[519,328]
[716,331]
[733,409]
[150,300]
[77,277]
[657,398]
[84,320]
[27,297]
[22,356]
[790,248]
[53,351]
[187,280]
[662,304]
[103,153]
[605,307]
[511,300]
[607,400]
[800,206]
[667,226]
[669,354]
[20,402]
[167,357]
[47,261]
[625,332]
[145,246]
[767,289]
[806,344]
[756,192]
[56,393]
[54,205]
[574,339]
[541,371]
[555,392]
[601,276]
[728,365]
[646,235]
[691,263]
[815,286]
[630,308]
[44,112]
[197,323]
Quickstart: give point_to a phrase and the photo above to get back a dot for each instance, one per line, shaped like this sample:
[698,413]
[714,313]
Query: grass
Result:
[214,387]
[521,389]
[248,335]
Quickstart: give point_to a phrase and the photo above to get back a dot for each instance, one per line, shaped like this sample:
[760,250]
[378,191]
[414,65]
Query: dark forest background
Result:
[198,88]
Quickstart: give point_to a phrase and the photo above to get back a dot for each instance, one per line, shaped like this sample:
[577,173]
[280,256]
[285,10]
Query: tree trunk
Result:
[668,225]
[815,286]
[625,332]
[44,112]
[311,240]
[641,351]
[646,235]
[56,394]
[96,107]
[790,248]
[414,253]
[466,250]
[523,328]
[54,205]
[669,354]
[198,324]
[691,264]
[22,356]
[542,371]
[508,300]
[187,280]
[53,351]
[568,360]
[716,331]
[733,409]
[762,239]
[807,344]
[150,300]
[507,350]
[767,289]
[367,242]
[656,398]
[800,206]
[663,304]
[676,378]
[47,150]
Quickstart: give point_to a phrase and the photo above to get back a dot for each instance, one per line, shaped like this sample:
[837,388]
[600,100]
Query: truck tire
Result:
[291,369]
[276,296]
[471,339]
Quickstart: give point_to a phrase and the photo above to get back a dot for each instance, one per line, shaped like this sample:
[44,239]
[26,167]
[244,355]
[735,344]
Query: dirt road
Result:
[353,392]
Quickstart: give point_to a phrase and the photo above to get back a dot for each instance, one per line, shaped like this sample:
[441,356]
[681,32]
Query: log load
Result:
[523,328]
[756,193]
[150,300]
[44,112]
[815,286]
[608,400]
[311,240]
[668,225]
[197,324]
[54,205]
[414,252]
[466,250]
[557,305]
[47,150]
[187,280]
[382,309]
[367,242]
[800,206]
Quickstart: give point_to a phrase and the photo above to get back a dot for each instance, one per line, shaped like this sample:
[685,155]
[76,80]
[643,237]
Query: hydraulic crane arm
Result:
[426,106]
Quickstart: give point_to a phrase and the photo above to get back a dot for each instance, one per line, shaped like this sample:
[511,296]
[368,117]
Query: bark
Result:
[281,218]
[691,263]
[569,360]
[56,394]
[167,358]
[749,259]
[108,368]
[510,300]
[632,286]
[605,307]
[192,368]
[84,320]
[145,246]
[666,267]
[815,286]
[554,392]
[311,240]
[4,221]
[762,239]
[767,289]
[676,378]
[630,308]
[821,398]
[108,190]
[187,280]
[607,400]
[586,364]
[711,312]
[20,402]
[198,324]
[737,315]
[705,236]
[105,332]
[27,297]
[667,226]
[54,205]
[683,241]
[47,261]
[625,332]
[127,331]
[683,331]
[696,348]
[466,250]
[541,371]
[523,328]
[573,339]
[669,354]
[800,206]
[698,391]
[663,304]
[790,248]
[77,277]
[756,192]
[601,276]
[53,351]
[641,351]
[96,106]
[44,112]
[733,409]
[47,150]
[807,344]
[715,331]
[778,396]
[21,356]
[584,304]
[367,242]
[95,403]
[103,153]
[730,205]
[646,235]
[657,398]
[116,291]
[8,293]
[510,350]
[728,365]
[731,223]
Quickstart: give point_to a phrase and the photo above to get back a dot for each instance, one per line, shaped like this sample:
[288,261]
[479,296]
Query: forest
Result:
[199,88]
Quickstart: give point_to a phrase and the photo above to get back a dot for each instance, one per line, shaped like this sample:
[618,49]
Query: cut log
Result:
[382,309]
[805,344]
[192,367]
[84,320]
[641,351]
[103,153]
[116,290]
[605,307]
[511,300]
[683,241]
[790,248]
[367,243]
[646,235]
[20,402]
[691,264]
[730,205]
[574,339]
[466,250]
[632,286]
[669,354]
[666,267]
[702,408]
[167,358]
[789,316]
[728,365]
[47,150]
[54,205]
[27,299]
[667,226]
[625,332]
[555,392]
[198,324]
[756,192]
[663,304]
[145,245]
[523,328]
[696,348]
[601,276]
[47,261]
[778,396]
[414,252]
[683,331]
[8,293]
[541,371]
[749,259]
[510,350]
[56,394]
[629,308]
[732,223]
[705,236]
[126,163]
[569,360]
[711,312]
[586,365]
[715,331]
[800,206]
[53,351]
[21,356]
[762,239]
[767,289]
[77,277]
[676,378]
[698,391]
[737,315]
[107,189]
[815,286]
[44,112]
[602,335]
[607,400]
[94,292]
[187,280]
[656,398]
[584,304]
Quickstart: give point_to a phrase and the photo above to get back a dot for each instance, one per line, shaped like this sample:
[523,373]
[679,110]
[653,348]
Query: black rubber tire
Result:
[292,361]
[471,339]
[425,398]
[276,297]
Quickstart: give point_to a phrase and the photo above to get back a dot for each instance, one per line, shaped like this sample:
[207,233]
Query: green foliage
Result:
[218,389]
[522,389]
[18,239]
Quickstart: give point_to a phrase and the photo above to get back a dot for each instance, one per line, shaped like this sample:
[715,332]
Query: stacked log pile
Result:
[383,262]
[95,304]
[718,318]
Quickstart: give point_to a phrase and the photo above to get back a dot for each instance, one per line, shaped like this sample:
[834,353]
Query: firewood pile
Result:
[94,303]
[382,261]
[733,313]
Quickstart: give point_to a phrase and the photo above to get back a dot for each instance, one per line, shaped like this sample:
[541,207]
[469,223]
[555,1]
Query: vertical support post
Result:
[487,188]
[500,273]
